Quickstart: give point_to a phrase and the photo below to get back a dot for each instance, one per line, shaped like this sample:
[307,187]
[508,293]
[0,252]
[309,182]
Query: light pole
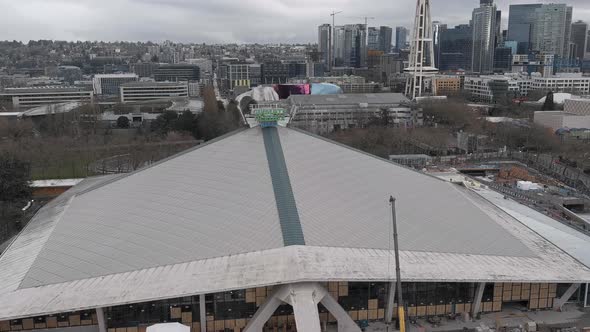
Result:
[400,302]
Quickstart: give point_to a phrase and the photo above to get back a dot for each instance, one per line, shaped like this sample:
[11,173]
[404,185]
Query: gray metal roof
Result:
[212,201]
[342,197]
[208,221]
[349,98]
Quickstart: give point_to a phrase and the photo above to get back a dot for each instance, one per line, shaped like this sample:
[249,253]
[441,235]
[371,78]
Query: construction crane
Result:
[366,18]
[332,45]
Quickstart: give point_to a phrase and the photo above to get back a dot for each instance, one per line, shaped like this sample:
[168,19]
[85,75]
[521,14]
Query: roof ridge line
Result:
[285,202]
[124,175]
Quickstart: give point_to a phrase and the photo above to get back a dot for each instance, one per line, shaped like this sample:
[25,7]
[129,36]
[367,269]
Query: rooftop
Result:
[153,84]
[352,98]
[295,207]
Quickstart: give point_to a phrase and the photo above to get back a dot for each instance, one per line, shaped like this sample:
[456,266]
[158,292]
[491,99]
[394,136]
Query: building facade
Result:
[579,39]
[446,85]
[355,45]
[109,84]
[456,45]
[30,97]
[325,44]
[401,38]
[520,26]
[146,69]
[373,39]
[385,39]
[484,38]
[552,29]
[141,91]
[177,73]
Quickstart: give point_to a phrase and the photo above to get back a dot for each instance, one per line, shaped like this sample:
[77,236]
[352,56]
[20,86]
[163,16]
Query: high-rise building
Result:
[520,26]
[339,34]
[484,37]
[325,43]
[373,39]
[385,37]
[552,29]
[421,62]
[580,38]
[455,48]
[355,45]
[437,29]
[503,59]
[401,38]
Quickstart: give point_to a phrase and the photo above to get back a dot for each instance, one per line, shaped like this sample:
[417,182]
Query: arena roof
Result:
[262,207]
[349,98]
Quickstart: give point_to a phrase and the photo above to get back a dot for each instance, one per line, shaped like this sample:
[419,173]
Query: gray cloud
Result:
[217,21]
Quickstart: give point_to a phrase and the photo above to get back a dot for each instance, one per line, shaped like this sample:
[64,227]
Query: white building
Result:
[575,114]
[323,114]
[481,90]
[109,84]
[574,83]
[29,97]
[139,91]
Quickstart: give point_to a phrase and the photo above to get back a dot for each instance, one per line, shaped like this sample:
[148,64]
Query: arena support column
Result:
[558,303]
[477,300]
[390,303]
[102,323]
[202,313]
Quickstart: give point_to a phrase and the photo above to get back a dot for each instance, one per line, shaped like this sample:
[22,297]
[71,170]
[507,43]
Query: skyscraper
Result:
[353,45]
[455,48]
[339,33]
[437,29]
[373,39]
[552,29]
[385,36]
[401,38]
[484,37]
[579,38]
[520,26]
[324,44]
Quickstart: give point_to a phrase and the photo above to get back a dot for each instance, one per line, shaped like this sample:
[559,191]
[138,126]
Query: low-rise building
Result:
[446,85]
[177,73]
[572,82]
[30,97]
[323,114]
[140,91]
[576,114]
[109,84]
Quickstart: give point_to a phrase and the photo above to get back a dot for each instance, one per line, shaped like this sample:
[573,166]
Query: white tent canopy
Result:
[168,327]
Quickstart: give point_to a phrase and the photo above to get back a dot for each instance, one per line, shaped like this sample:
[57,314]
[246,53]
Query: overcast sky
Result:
[218,21]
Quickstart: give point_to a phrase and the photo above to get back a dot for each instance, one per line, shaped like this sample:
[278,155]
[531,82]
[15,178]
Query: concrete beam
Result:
[266,310]
[102,323]
[477,299]
[305,309]
[202,313]
[390,302]
[345,323]
[558,303]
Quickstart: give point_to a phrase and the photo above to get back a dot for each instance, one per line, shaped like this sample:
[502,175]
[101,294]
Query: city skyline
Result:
[219,22]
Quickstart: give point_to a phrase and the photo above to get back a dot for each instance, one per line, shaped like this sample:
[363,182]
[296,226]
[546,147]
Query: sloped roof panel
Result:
[343,194]
[213,201]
